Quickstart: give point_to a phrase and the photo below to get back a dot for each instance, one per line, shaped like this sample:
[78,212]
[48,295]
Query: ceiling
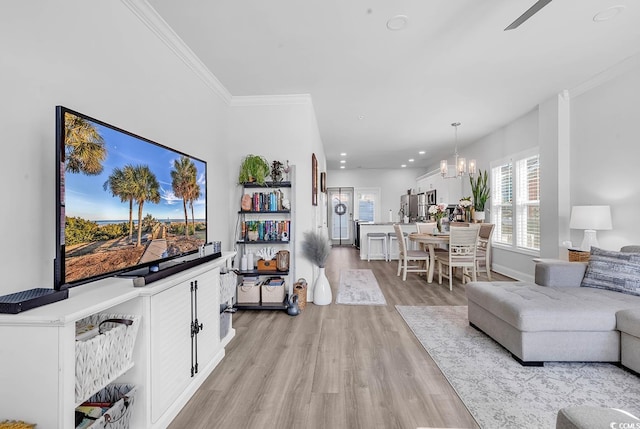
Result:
[382,96]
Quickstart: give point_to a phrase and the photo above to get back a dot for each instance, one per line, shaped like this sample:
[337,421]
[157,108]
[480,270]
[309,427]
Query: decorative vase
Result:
[478,216]
[252,235]
[321,289]
[439,224]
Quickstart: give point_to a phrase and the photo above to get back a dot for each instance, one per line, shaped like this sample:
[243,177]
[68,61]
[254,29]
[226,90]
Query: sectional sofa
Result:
[574,311]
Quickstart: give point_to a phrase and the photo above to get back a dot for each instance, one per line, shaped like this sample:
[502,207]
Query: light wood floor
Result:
[335,366]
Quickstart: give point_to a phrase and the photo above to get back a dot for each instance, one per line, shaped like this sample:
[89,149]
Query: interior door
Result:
[340,216]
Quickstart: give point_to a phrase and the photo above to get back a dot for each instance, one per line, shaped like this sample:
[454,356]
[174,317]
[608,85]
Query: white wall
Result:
[392,183]
[280,128]
[99,59]
[604,155]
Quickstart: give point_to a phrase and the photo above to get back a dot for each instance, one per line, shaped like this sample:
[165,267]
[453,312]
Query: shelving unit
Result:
[268,213]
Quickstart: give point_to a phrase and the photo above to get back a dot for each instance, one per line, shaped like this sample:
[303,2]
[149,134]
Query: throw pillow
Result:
[616,271]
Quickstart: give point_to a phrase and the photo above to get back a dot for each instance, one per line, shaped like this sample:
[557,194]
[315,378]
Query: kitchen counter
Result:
[386,227]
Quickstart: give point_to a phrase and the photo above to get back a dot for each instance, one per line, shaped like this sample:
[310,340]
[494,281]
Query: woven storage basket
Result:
[118,416]
[300,289]
[578,256]
[103,358]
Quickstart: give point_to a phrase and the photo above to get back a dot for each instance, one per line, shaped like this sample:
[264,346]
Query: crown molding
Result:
[271,100]
[150,17]
[624,66]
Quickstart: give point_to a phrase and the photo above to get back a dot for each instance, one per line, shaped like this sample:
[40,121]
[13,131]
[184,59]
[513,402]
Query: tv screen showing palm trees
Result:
[124,202]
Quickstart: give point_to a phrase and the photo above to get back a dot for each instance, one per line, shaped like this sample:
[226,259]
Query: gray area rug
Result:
[359,287]
[498,391]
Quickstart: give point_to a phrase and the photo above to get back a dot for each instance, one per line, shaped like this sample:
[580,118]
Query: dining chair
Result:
[405,256]
[425,227]
[461,254]
[483,251]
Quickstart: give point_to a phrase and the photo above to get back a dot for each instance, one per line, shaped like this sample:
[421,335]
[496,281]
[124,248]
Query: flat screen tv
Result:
[123,201]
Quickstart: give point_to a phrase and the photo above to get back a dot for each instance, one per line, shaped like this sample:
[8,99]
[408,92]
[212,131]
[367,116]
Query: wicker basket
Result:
[300,289]
[578,256]
[103,358]
[118,416]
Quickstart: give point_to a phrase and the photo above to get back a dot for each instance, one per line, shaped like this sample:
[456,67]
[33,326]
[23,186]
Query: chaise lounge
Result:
[573,312]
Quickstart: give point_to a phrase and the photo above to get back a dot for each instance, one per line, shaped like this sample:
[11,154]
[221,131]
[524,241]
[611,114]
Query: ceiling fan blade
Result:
[528,14]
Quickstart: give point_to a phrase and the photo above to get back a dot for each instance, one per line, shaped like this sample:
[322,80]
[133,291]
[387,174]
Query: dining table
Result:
[430,241]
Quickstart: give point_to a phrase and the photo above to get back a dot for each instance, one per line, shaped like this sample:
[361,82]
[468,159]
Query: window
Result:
[367,202]
[515,202]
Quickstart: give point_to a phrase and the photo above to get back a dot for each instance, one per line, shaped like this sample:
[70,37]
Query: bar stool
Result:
[377,236]
[392,237]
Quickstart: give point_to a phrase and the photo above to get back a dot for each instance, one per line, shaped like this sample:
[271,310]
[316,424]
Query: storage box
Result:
[270,265]
[118,416]
[104,357]
[248,294]
[272,294]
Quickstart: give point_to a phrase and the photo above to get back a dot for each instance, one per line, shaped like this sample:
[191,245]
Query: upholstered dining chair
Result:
[483,252]
[461,254]
[405,256]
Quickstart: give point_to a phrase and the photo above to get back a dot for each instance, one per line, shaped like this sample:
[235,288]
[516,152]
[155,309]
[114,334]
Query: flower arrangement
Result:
[438,211]
[465,205]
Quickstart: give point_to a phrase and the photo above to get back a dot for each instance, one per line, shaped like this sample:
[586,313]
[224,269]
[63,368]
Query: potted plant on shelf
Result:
[480,191]
[316,248]
[254,168]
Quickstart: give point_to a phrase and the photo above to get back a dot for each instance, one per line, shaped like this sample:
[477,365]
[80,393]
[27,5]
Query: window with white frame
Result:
[515,201]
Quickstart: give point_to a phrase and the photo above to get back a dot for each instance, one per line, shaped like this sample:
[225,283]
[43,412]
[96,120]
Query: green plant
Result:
[253,168]
[316,247]
[480,190]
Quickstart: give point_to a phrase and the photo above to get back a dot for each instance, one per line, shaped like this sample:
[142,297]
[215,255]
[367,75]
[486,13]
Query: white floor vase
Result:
[322,289]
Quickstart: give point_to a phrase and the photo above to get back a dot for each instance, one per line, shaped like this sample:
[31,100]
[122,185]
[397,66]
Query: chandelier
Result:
[461,163]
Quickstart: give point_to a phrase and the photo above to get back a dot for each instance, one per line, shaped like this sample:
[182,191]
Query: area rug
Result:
[359,287]
[498,391]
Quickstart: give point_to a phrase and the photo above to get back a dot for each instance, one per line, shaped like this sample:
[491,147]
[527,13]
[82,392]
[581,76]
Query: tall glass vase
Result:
[439,224]
[321,289]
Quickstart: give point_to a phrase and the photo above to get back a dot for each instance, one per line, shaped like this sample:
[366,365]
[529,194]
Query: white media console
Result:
[37,352]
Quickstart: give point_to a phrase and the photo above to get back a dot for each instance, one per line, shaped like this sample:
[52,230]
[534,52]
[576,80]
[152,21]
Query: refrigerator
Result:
[409,206]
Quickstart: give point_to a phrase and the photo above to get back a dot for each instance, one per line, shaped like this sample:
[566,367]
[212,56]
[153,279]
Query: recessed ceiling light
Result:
[411,160]
[398,22]
[343,154]
[342,166]
[403,165]
[342,161]
[421,152]
[608,13]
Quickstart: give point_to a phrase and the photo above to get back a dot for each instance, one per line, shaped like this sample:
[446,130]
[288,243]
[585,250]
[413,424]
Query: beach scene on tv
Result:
[127,201]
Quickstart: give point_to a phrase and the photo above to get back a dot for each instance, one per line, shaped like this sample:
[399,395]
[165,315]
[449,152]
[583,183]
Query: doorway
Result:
[340,216]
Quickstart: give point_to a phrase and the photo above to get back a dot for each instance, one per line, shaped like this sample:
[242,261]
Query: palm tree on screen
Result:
[145,188]
[84,146]
[183,182]
[193,195]
[121,183]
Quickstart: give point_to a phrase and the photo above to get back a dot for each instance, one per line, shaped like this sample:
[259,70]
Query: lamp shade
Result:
[590,217]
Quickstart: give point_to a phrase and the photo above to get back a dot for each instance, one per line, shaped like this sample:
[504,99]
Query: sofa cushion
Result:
[616,271]
[529,307]
[629,321]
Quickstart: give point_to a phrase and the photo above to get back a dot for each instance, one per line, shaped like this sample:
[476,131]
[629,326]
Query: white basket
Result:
[228,283]
[103,358]
[118,416]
